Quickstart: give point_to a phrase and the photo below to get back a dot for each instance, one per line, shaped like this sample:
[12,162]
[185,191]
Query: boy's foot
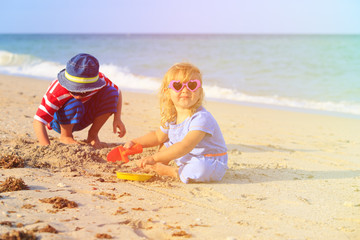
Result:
[68,140]
[95,142]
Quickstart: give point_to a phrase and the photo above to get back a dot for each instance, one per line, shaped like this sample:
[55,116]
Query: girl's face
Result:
[185,98]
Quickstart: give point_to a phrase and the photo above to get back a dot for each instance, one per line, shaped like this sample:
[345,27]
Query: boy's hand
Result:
[118,124]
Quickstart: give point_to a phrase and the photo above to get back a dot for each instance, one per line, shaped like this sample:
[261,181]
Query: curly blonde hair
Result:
[183,72]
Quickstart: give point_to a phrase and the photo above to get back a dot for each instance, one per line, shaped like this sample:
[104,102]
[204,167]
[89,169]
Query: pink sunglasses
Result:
[192,85]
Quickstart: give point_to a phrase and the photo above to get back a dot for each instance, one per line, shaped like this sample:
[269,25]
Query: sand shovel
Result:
[121,154]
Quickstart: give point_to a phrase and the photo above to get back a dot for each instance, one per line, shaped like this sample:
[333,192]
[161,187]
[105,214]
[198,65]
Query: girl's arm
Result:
[41,133]
[151,139]
[176,150]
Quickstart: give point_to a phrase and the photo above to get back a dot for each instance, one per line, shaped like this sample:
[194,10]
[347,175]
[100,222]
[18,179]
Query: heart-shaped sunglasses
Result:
[192,85]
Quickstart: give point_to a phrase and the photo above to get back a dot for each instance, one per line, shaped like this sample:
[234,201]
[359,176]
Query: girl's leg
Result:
[164,170]
[160,168]
[202,170]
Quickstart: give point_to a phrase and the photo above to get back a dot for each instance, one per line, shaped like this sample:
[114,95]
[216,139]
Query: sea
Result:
[307,73]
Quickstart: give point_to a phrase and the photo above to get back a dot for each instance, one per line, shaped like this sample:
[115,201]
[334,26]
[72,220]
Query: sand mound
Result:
[76,159]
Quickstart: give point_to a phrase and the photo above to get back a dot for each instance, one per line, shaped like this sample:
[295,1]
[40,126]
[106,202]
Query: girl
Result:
[188,133]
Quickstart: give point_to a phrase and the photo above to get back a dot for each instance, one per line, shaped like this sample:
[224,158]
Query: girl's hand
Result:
[145,161]
[129,144]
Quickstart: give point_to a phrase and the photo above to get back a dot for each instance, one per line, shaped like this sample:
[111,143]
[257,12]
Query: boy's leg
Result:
[66,118]
[93,137]
[66,134]
[97,111]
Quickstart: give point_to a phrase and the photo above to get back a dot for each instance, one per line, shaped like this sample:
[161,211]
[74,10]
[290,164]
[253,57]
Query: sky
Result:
[181,16]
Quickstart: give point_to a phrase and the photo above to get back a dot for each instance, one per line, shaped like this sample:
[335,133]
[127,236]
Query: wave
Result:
[126,80]
[28,65]
[344,107]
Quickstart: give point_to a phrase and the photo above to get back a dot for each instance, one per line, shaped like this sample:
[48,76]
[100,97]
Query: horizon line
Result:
[138,33]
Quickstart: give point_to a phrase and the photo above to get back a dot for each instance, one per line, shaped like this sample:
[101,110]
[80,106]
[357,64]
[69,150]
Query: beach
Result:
[291,175]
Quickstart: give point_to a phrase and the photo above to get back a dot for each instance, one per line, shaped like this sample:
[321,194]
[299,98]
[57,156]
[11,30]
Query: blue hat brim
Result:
[79,87]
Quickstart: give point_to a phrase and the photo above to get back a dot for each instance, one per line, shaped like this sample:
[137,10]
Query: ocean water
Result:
[301,72]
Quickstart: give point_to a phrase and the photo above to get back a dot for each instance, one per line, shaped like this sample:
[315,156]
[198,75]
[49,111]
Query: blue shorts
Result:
[83,114]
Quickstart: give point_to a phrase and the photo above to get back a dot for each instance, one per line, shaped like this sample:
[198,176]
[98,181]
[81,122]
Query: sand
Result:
[292,176]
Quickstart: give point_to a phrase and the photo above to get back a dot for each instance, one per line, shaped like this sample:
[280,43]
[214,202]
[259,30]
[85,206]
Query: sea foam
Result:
[27,65]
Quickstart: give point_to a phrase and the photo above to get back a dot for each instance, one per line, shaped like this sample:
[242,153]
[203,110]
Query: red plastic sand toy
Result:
[121,154]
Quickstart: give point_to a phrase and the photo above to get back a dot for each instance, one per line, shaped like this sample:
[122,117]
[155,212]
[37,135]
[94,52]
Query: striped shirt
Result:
[56,96]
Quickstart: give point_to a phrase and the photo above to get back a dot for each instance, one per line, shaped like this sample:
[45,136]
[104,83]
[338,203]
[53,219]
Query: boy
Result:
[81,96]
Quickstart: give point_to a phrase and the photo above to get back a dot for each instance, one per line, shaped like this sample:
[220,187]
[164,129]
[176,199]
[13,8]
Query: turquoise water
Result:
[305,72]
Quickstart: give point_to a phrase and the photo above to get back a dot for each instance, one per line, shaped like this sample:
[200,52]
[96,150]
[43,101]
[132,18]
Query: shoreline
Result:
[291,176]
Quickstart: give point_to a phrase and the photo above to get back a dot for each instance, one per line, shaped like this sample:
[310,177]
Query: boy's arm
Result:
[41,133]
[117,123]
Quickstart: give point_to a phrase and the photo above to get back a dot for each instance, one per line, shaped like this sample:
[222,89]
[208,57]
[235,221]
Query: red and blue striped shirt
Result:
[56,96]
